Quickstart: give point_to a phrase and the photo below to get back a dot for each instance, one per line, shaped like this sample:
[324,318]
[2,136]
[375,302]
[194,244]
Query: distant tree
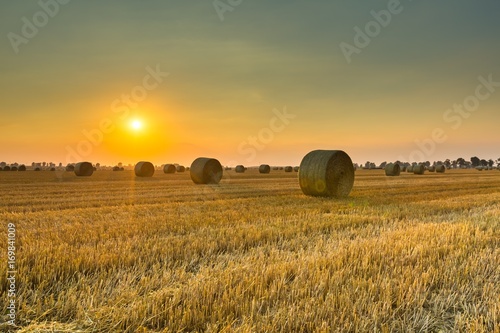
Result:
[461,162]
[98,165]
[491,162]
[44,164]
[484,162]
[33,164]
[475,161]
[60,164]
[120,164]
[383,164]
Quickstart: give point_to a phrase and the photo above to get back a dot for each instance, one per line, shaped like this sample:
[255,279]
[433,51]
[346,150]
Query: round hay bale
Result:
[122,169]
[144,169]
[431,169]
[52,169]
[37,169]
[288,169]
[6,168]
[169,168]
[13,168]
[419,169]
[281,168]
[180,168]
[326,173]
[440,168]
[264,168]
[84,169]
[116,168]
[206,170]
[22,167]
[296,169]
[409,169]
[392,169]
[239,169]
[70,167]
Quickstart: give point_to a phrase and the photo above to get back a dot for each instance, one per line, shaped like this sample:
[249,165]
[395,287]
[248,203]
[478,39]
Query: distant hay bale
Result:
[276,168]
[169,168]
[479,168]
[70,167]
[264,168]
[6,168]
[180,168]
[226,168]
[431,169]
[326,173]
[13,168]
[392,169]
[296,169]
[239,169]
[288,169]
[22,167]
[52,169]
[187,168]
[37,169]
[84,169]
[440,168]
[206,171]
[409,169]
[403,168]
[116,168]
[419,169]
[281,168]
[144,169]
[122,169]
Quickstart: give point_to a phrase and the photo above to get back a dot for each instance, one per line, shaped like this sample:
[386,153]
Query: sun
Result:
[136,124]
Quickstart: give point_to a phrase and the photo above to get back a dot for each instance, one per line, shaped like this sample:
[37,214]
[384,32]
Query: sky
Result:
[248,82]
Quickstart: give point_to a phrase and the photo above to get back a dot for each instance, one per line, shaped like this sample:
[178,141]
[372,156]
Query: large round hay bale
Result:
[84,169]
[70,167]
[239,169]
[288,169]
[264,168]
[326,173]
[6,168]
[392,169]
[22,167]
[431,169]
[180,168]
[206,170]
[440,168]
[169,168]
[419,169]
[13,168]
[144,169]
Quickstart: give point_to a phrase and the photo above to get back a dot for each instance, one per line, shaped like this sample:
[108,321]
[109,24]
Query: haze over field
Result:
[261,82]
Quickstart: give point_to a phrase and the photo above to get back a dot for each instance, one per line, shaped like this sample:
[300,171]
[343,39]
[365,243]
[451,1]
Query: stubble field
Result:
[115,253]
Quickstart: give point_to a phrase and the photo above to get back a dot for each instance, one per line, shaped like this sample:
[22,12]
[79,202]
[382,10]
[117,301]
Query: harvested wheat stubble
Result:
[169,168]
[206,170]
[84,169]
[419,169]
[264,168]
[288,169]
[180,168]
[440,168]
[22,167]
[326,173]
[392,169]
[240,169]
[144,169]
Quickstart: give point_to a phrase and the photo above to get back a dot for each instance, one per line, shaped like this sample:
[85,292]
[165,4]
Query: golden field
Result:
[115,253]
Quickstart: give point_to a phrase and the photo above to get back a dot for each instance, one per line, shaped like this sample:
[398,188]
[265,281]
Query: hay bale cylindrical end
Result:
[326,173]
[206,170]
[264,168]
[169,168]
[392,169]
[144,169]
[84,169]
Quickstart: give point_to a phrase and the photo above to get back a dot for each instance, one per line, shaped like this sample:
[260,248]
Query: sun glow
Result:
[136,124]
